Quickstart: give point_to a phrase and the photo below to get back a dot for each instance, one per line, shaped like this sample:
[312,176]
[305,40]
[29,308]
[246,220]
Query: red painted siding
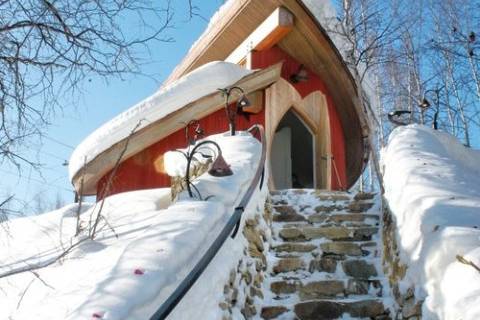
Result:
[144,170]
[263,59]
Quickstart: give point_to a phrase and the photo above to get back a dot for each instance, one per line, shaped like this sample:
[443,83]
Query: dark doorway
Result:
[292,154]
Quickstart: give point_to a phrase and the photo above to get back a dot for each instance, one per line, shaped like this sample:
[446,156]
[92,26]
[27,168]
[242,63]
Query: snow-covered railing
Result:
[230,228]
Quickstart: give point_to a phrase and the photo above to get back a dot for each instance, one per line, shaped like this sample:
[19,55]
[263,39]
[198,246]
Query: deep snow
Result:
[130,276]
[432,184]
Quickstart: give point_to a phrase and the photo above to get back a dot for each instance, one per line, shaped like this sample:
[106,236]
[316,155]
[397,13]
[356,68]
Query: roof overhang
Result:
[87,178]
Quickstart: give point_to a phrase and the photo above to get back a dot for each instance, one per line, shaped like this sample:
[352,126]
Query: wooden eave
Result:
[307,42]
[99,166]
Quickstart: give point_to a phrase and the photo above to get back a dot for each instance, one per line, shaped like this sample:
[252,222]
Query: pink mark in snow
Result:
[139,272]
[98,315]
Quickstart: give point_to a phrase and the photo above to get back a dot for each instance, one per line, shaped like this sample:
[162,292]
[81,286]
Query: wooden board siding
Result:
[157,130]
[329,137]
[145,169]
[307,42]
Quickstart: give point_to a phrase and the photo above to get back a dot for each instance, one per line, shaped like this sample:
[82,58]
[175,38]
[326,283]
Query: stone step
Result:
[333,309]
[343,217]
[295,247]
[339,233]
[326,288]
[288,265]
[286,213]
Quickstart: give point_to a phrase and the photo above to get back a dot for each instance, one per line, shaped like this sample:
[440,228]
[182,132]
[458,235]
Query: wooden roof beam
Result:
[266,35]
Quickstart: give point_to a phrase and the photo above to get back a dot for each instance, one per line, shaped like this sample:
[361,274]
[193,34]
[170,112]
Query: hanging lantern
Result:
[220,168]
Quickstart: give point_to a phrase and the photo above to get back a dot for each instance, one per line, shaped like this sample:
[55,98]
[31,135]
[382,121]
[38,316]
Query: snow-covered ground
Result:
[137,259]
[432,184]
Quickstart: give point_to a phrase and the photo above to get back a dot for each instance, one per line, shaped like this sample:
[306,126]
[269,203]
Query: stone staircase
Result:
[324,262]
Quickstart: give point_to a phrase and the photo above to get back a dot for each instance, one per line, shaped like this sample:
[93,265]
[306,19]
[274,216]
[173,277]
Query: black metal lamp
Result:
[230,111]
[300,76]
[425,104]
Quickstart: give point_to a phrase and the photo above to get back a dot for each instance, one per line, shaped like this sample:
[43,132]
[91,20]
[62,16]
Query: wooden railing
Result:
[230,229]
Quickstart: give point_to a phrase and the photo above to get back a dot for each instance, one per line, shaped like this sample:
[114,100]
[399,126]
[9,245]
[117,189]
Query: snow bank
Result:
[432,184]
[136,260]
[196,84]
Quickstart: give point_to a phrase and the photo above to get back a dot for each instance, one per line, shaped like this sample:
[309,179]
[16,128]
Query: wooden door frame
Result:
[313,111]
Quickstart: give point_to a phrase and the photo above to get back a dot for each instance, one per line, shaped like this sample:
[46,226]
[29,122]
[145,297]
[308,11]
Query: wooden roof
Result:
[308,43]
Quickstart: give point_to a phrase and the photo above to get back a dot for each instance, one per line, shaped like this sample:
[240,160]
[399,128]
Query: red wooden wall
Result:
[263,59]
[145,169]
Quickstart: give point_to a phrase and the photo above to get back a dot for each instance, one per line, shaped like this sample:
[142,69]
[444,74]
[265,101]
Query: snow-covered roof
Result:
[191,87]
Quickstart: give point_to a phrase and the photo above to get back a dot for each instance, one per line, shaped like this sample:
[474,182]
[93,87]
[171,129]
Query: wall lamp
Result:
[300,76]
[231,111]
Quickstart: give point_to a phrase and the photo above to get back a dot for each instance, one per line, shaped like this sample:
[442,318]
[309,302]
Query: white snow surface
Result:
[191,87]
[432,185]
[138,258]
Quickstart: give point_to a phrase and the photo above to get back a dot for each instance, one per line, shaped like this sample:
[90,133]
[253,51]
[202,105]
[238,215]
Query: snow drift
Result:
[432,185]
[138,258]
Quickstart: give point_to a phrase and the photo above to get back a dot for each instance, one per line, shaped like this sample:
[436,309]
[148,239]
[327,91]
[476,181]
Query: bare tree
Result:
[48,48]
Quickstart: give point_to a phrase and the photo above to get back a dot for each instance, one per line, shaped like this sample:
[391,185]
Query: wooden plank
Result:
[316,106]
[100,165]
[256,101]
[265,36]
[313,110]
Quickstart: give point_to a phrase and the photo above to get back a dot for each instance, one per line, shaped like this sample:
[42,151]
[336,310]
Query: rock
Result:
[365,308]
[256,292]
[295,247]
[234,297]
[350,217]
[357,286]
[322,196]
[231,278]
[260,265]
[364,234]
[317,218]
[359,269]
[300,191]
[247,276]
[253,237]
[255,253]
[289,264]
[358,206]
[363,196]
[223,305]
[251,222]
[412,309]
[321,289]
[347,248]
[284,287]
[292,234]
[325,264]
[328,208]
[272,312]
[332,233]
[287,214]
[314,310]
[258,280]
[249,311]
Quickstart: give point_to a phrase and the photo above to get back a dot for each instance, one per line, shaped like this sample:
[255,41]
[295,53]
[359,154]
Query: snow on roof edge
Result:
[166,100]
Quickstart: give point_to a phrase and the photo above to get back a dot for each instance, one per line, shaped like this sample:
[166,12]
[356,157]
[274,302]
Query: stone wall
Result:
[408,306]
[243,292]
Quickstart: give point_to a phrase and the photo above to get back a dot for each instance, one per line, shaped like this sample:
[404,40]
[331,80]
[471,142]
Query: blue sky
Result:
[100,102]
